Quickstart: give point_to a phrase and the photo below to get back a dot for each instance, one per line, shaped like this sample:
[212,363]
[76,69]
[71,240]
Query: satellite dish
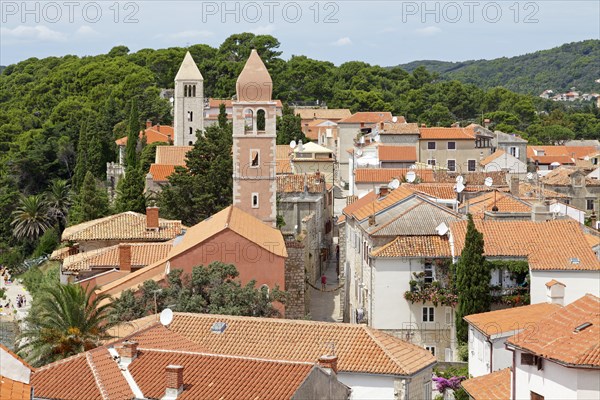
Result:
[555,208]
[488,181]
[529,176]
[555,164]
[442,229]
[460,180]
[459,187]
[411,176]
[293,144]
[413,166]
[166,316]
[394,184]
[359,152]
[394,119]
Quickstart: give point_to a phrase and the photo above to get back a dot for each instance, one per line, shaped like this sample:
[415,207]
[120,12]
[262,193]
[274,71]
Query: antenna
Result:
[394,119]
[394,184]
[529,176]
[442,229]
[411,176]
[488,181]
[293,144]
[166,316]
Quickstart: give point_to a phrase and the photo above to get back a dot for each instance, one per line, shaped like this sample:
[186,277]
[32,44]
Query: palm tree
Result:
[59,201]
[30,219]
[65,320]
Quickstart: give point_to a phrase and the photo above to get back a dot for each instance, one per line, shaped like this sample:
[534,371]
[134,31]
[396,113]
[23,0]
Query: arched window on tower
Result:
[194,91]
[185,90]
[260,120]
[191,130]
[190,116]
[249,120]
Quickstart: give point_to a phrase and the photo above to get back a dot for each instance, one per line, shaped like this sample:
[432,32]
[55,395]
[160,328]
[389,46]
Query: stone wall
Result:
[342,276]
[295,284]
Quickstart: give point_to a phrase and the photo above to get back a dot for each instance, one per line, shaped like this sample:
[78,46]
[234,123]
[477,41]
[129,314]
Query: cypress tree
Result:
[81,164]
[95,156]
[132,136]
[130,191]
[222,116]
[91,203]
[472,280]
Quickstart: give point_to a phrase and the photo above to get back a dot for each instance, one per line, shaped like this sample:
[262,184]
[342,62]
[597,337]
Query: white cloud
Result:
[191,34]
[345,41]
[428,31]
[85,30]
[33,33]
[263,30]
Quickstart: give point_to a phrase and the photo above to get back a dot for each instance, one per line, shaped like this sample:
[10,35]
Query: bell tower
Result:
[188,112]
[254,144]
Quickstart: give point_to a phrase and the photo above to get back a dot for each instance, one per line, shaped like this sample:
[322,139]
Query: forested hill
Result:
[561,68]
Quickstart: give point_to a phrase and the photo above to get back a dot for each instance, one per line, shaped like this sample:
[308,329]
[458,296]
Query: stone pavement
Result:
[325,306]
[12,290]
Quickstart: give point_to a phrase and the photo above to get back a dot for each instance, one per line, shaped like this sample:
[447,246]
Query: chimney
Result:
[125,257]
[514,186]
[486,123]
[328,363]
[555,292]
[148,123]
[455,125]
[423,126]
[383,191]
[158,127]
[152,218]
[540,212]
[174,374]
[127,351]
[594,220]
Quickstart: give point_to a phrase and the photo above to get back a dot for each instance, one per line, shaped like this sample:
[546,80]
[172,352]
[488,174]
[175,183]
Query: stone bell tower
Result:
[254,145]
[188,112]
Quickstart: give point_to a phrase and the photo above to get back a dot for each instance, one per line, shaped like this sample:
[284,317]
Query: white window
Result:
[514,151]
[451,145]
[254,158]
[254,200]
[471,165]
[430,348]
[430,145]
[428,314]
[452,165]
[428,273]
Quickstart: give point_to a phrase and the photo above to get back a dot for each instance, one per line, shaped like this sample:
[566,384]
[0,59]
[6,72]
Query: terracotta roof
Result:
[511,319]
[367,117]
[156,133]
[395,128]
[437,190]
[559,153]
[397,153]
[547,160]
[358,347]
[208,376]
[155,272]
[592,240]
[385,175]
[447,133]
[283,166]
[157,336]
[283,151]
[379,204]
[161,172]
[238,221]
[505,202]
[295,183]
[97,377]
[172,155]
[323,113]
[494,386]
[554,282]
[356,203]
[63,252]
[563,337]
[142,254]
[14,390]
[124,226]
[492,157]
[472,178]
[549,245]
[414,246]
[561,176]
[528,191]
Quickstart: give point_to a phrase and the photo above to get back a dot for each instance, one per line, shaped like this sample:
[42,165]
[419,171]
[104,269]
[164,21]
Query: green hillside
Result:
[561,68]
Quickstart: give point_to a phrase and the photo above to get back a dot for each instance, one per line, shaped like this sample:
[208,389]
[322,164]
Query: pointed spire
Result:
[254,83]
[188,70]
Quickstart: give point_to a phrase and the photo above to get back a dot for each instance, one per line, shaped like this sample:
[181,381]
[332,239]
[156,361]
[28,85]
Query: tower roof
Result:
[254,83]
[188,70]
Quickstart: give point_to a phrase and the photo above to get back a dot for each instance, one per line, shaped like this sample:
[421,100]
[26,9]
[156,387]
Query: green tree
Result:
[130,191]
[65,320]
[148,155]
[472,280]
[132,136]
[30,219]
[289,127]
[81,165]
[91,203]
[222,115]
[59,200]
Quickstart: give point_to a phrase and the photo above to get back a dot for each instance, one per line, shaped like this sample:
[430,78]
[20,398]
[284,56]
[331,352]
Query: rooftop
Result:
[367,117]
[447,133]
[156,133]
[296,183]
[505,202]
[161,172]
[398,128]
[172,155]
[397,153]
[494,386]
[188,70]
[323,113]
[14,390]
[254,82]
[562,176]
[385,175]
[414,246]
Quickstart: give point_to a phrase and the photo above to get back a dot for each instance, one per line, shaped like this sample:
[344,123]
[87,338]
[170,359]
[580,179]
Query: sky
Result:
[378,32]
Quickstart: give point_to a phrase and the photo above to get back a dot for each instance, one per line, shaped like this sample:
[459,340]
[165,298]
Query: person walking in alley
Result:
[323,282]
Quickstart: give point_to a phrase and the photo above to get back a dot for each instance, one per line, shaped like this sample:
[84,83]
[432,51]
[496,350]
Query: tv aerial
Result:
[394,184]
[488,181]
[411,176]
[166,316]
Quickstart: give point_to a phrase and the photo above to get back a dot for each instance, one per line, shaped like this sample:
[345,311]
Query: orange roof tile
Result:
[593,240]
[549,245]
[528,191]
[124,226]
[385,175]
[494,386]
[283,152]
[62,253]
[172,155]
[142,254]
[505,202]
[156,133]
[358,347]
[397,153]
[238,221]
[367,117]
[511,319]
[400,127]
[161,172]
[558,151]
[492,157]
[155,272]
[447,133]
[323,113]
[562,177]
[562,337]
[437,190]
[296,183]
[379,204]
[414,246]
[14,390]
[554,282]
[283,167]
